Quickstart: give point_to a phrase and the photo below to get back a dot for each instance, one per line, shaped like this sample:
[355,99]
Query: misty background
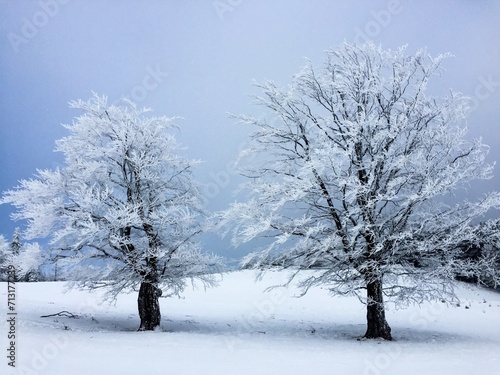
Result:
[196,59]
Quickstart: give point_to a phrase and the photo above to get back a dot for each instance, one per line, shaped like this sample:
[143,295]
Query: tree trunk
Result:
[149,306]
[377,326]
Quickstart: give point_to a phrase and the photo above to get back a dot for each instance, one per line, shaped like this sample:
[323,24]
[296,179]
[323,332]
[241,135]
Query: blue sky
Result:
[196,59]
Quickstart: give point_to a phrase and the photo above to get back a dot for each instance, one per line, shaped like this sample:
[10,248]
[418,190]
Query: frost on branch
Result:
[20,261]
[353,175]
[124,211]
[28,262]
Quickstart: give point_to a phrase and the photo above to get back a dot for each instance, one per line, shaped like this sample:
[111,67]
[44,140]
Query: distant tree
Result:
[26,258]
[124,211]
[4,252]
[353,175]
[15,244]
[28,262]
[15,249]
[486,245]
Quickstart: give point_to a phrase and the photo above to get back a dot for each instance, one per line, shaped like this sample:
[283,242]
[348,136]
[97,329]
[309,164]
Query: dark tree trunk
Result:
[149,306]
[377,326]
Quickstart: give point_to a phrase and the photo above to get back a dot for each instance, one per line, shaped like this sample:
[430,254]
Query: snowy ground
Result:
[239,329]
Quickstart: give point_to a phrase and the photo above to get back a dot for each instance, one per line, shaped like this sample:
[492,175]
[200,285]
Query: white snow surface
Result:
[239,328]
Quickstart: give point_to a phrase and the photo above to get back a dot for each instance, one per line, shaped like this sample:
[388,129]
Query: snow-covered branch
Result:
[354,173]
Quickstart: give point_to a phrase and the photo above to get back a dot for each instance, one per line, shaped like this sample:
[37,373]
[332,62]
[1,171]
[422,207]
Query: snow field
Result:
[238,328]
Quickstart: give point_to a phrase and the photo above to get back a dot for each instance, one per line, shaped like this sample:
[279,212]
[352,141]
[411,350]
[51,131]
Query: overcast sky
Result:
[196,59]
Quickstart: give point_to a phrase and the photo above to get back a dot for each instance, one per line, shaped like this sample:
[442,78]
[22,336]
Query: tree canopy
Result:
[354,171]
[124,210]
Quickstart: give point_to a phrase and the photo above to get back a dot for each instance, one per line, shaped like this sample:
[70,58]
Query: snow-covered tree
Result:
[26,258]
[14,251]
[28,262]
[355,175]
[4,252]
[15,244]
[485,246]
[124,211]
